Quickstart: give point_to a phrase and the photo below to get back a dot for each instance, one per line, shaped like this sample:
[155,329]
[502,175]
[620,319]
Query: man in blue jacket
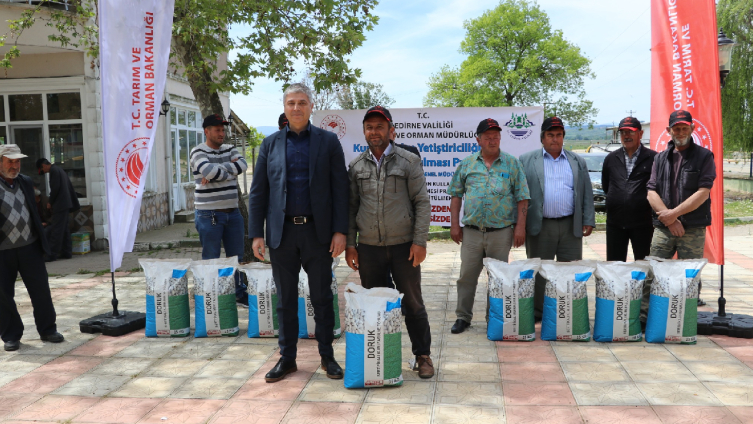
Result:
[300,189]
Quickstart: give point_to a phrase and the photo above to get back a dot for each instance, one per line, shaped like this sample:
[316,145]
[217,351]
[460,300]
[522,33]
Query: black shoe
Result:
[68,256]
[53,338]
[331,367]
[48,258]
[701,302]
[12,345]
[459,326]
[283,368]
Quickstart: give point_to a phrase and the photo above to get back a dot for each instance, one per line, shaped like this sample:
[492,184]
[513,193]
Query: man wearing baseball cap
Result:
[389,215]
[22,249]
[624,176]
[679,193]
[215,167]
[495,191]
[561,210]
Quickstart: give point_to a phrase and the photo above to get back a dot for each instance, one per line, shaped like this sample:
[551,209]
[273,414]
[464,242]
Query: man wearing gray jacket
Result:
[389,218]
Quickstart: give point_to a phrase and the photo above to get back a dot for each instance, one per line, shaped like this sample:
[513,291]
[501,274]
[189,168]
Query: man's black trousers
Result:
[59,235]
[617,242]
[29,262]
[375,265]
[300,247]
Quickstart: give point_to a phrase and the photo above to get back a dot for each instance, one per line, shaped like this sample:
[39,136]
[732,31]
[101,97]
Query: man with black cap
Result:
[389,215]
[216,167]
[62,202]
[494,217]
[561,210]
[300,190]
[22,249]
[679,193]
[624,176]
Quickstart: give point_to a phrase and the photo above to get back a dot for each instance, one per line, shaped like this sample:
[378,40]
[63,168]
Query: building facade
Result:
[50,106]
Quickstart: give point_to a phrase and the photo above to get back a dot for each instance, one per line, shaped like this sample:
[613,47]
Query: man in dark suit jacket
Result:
[300,189]
[63,201]
[22,247]
[624,176]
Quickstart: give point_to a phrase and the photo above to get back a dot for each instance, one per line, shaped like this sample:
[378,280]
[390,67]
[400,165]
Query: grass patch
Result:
[438,228]
[738,208]
[601,217]
[83,271]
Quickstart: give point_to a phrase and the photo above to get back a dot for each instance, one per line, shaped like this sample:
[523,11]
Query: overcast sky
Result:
[414,38]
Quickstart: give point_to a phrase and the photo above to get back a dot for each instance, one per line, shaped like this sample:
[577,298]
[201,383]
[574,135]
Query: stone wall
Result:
[154,212]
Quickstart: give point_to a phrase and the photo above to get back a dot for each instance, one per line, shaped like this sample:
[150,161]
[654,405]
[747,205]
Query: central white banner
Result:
[134,40]
[443,137]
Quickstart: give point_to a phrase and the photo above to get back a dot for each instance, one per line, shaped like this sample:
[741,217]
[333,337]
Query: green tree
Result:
[325,98]
[275,34]
[515,58]
[253,140]
[363,95]
[735,17]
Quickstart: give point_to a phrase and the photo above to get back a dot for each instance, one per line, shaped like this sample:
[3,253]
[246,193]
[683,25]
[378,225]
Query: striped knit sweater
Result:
[216,166]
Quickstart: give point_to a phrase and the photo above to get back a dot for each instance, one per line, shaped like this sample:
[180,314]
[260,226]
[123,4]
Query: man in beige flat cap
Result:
[22,249]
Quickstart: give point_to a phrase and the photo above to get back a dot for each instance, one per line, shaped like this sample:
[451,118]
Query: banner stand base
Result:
[114,325]
[732,325]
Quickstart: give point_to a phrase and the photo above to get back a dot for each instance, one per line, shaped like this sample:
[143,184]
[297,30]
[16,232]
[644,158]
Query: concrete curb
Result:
[160,245]
[734,220]
[433,235]
[439,235]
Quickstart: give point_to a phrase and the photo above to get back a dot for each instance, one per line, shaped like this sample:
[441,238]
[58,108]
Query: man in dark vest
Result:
[22,246]
[678,191]
[63,200]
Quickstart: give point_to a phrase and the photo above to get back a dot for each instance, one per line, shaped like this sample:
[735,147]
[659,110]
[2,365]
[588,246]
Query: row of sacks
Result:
[672,313]
[373,319]
[216,313]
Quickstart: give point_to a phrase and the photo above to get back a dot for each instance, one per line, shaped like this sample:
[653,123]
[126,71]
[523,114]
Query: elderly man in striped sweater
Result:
[216,168]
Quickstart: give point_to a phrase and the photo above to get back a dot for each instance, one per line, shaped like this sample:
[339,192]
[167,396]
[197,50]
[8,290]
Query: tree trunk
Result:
[200,80]
[248,252]
[209,103]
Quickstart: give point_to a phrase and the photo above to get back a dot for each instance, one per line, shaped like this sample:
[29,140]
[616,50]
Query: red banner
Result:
[685,75]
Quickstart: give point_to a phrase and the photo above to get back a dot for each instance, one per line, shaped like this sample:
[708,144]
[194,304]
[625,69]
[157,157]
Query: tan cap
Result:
[11,151]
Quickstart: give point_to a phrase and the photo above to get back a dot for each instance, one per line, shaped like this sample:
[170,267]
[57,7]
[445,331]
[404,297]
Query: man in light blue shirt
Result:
[561,209]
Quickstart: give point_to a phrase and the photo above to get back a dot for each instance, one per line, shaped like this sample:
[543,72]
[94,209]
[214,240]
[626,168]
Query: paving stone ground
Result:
[133,379]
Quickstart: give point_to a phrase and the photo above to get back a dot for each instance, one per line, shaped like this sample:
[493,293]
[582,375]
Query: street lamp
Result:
[725,56]
[721,322]
[165,107]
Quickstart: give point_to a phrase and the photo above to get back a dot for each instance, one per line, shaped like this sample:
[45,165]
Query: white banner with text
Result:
[443,137]
[134,39]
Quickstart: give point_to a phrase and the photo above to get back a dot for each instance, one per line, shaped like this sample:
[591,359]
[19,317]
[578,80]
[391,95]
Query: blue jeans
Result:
[222,228]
